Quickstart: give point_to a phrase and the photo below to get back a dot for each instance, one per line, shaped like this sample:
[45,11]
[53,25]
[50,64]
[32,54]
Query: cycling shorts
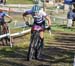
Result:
[42,25]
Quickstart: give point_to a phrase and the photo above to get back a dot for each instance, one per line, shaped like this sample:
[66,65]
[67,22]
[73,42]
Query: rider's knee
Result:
[5,25]
[41,35]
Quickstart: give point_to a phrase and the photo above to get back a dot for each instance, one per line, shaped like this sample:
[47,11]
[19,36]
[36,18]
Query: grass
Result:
[19,1]
[64,28]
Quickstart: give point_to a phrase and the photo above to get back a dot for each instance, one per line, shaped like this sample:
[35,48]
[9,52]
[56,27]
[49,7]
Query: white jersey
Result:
[39,18]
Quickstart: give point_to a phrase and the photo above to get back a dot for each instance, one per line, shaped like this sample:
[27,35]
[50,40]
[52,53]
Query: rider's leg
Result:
[5,28]
[2,32]
[2,41]
[42,34]
[42,38]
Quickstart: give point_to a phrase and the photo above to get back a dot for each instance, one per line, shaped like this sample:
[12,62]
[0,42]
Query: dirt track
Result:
[57,52]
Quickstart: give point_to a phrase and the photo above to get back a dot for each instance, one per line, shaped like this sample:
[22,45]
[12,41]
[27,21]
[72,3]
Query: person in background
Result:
[71,16]
[73,10]
[3,23]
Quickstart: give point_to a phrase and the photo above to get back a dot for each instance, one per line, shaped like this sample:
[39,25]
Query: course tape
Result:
[15,34]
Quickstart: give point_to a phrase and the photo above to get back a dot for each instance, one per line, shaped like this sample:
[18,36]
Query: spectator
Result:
[71,16]
[73,10]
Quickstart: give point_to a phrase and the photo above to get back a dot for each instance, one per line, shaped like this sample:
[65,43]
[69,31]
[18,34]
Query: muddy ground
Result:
[58,51]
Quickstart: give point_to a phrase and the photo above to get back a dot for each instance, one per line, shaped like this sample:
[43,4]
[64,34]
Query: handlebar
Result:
[46,27]
[29,25]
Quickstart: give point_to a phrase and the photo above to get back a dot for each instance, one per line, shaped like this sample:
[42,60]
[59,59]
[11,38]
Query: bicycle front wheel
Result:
[31,47]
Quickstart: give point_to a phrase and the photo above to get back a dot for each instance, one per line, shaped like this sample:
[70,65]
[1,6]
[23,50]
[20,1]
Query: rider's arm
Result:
[47,17]
[8,16]
[25,14]
[49,20]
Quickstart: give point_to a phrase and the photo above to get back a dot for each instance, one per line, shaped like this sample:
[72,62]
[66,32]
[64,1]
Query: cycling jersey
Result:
[2,14]
[40,18]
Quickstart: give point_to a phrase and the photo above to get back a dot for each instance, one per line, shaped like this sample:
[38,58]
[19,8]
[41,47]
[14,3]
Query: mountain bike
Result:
[35,46]
[5,40]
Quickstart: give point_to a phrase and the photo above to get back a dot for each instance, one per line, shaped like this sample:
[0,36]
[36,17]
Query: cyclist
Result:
[2,21]
[39,17]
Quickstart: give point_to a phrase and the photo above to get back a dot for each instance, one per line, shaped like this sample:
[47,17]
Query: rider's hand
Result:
[10,21]
[27,23]
[49,28]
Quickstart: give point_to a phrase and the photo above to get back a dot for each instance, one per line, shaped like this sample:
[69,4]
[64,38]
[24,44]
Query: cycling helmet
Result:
[35,8]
